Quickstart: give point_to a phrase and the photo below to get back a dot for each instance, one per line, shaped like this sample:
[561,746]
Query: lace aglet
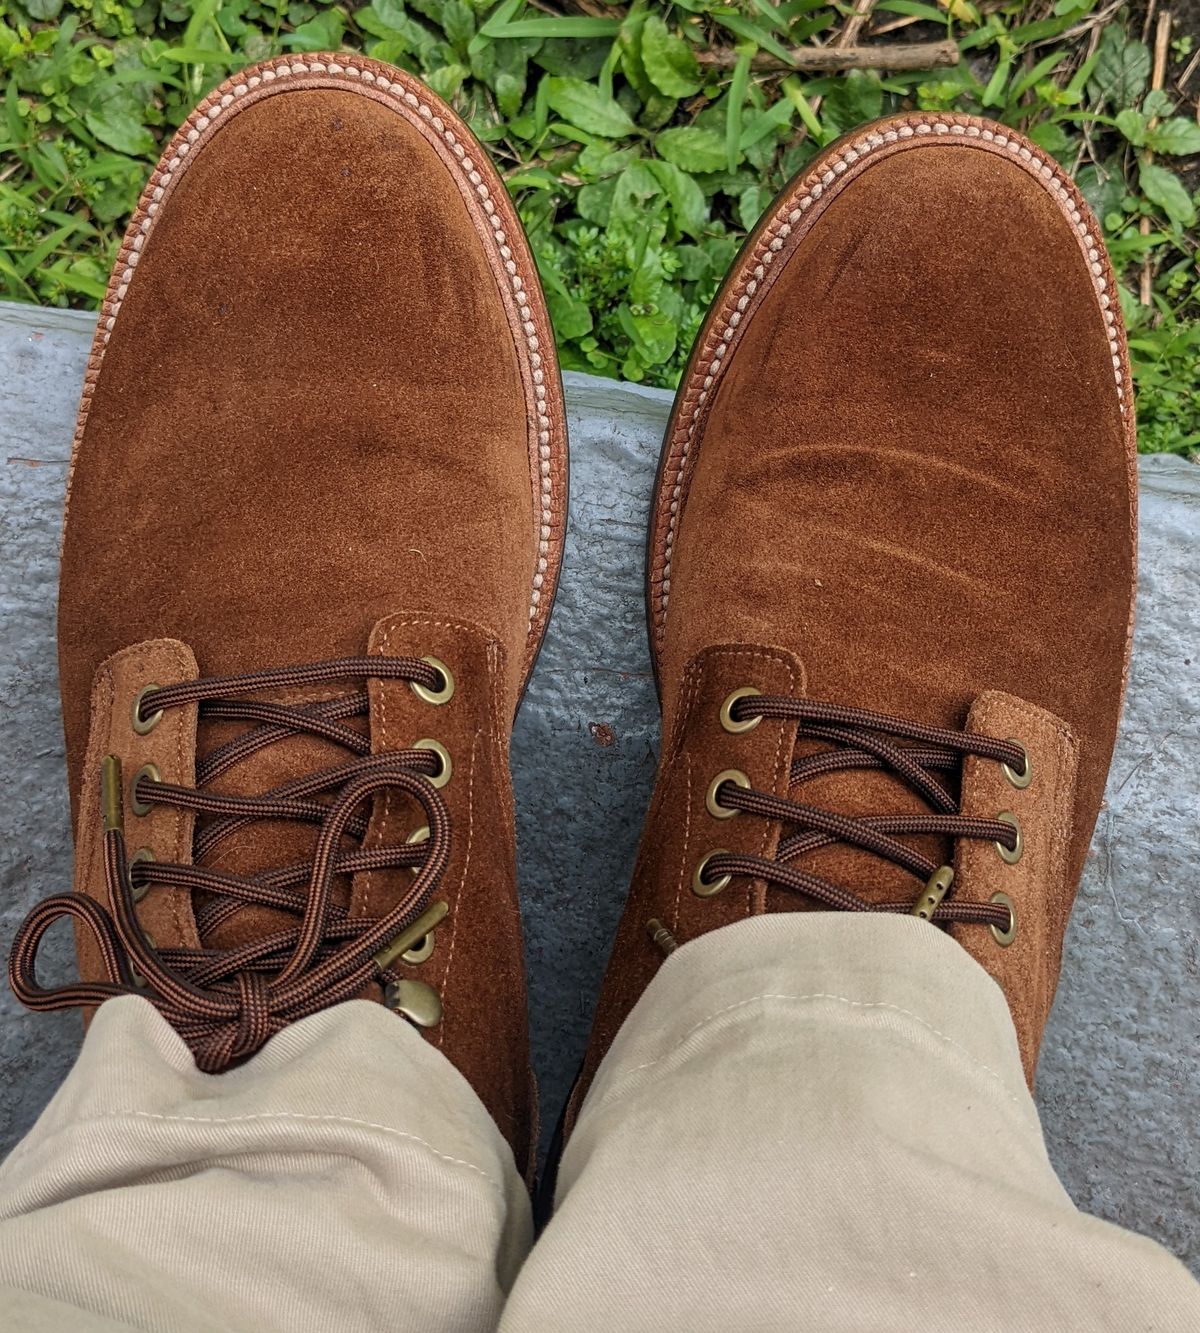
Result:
[935,890]
[429,918]
[661,936]
[111,795]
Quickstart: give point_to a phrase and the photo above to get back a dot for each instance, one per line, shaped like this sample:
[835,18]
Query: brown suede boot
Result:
[891,564]
[316,513]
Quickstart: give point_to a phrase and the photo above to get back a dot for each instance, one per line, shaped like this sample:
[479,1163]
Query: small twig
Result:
[909,55]
[894,25]
[1186,77]
[854,24]
[1162,42]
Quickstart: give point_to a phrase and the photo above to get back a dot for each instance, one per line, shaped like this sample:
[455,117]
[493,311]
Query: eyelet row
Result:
[703,887]
[414,999]
[1011,855]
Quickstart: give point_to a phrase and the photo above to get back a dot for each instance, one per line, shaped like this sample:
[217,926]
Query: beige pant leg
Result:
[819,1122]
[345,1178]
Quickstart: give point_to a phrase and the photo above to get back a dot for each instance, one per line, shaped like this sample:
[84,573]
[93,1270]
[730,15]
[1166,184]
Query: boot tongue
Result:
[856,793]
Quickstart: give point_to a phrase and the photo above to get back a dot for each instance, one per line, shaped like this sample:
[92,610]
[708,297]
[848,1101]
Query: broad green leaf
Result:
[855,98]
[1177,136]
[594,202]
[635,187]
[1102,190]
[1157,103]
[653,334]
[1122,70]
[685,196]
[321,33]
[752,204]
[668,60]
[458,23]
[571,57]
[43,9]
[692,148]
[1164,188]
[572,319]
[447,81]
[1132,125]
[1051,136]
[586,107]
[116,126]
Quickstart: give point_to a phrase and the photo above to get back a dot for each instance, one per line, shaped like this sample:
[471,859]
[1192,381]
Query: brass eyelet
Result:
[422,950]
[1013,856]
[728,721]
[442,696]
[1005,937]
[150,771]
[712,805]
[412,935]
[141,855]
[144,724]
[1019,780]
[415,1000]
[417,835]
[440,778]
[704,888]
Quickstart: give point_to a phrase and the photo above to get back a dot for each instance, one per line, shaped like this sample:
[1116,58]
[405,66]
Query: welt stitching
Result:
[207,114]
[772,242]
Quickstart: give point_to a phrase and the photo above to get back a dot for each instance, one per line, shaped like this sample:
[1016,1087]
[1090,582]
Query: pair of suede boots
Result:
[315,518]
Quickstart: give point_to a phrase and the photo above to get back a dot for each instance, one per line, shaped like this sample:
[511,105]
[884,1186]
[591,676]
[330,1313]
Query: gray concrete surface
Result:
[1119,1084]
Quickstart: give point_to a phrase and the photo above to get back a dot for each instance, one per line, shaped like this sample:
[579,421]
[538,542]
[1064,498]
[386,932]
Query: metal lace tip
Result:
[661,936]
[111,799]
[428,919]
[935,890]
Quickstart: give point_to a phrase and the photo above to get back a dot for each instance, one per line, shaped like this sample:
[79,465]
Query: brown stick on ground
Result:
[1158,75]
[907,55]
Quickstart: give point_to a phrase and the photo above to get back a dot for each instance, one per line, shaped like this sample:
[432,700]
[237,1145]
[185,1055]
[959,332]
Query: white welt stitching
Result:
[201,120]
[775,236]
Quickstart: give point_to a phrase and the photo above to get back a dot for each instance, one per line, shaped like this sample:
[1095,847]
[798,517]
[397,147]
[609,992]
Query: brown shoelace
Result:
[862,740]
[226,1003]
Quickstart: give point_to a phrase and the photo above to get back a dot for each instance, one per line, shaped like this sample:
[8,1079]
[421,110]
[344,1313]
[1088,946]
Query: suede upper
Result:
[323,417]
[899,477]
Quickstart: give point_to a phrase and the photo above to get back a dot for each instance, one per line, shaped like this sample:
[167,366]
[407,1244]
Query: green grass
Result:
[641,141]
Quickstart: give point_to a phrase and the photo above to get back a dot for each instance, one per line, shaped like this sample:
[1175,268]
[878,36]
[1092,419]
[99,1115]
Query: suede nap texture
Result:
[899,476]
[323,411]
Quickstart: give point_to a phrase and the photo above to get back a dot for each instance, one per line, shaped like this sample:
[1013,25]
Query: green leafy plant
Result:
[641,141]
